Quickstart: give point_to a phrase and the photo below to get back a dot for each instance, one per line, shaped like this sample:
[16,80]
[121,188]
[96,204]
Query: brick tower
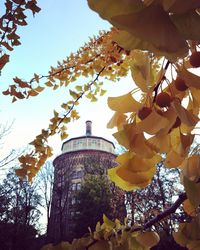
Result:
[70,167]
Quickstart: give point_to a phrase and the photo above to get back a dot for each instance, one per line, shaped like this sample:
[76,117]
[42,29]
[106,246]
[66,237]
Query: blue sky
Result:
[59,29]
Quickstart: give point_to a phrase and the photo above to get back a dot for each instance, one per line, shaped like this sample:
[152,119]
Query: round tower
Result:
[82,155]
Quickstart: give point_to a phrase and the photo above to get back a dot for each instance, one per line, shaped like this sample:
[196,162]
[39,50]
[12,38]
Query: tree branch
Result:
[182,197]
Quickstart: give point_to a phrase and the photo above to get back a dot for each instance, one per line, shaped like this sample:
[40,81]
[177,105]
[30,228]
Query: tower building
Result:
[82,155]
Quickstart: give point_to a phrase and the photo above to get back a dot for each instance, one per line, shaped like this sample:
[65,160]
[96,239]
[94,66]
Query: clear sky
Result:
[59,29]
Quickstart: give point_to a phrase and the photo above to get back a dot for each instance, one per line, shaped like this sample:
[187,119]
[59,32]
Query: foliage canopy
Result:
[155,40]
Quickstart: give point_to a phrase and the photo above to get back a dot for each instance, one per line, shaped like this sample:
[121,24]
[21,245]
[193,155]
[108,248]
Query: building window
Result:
[73,201]
[78,186]
[73,186]
[77,174]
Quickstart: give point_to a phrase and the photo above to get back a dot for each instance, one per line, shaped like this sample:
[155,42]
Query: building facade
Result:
[80,156]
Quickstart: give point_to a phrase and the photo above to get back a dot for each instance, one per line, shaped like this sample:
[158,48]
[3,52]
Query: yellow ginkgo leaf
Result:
[135,178]
[125,103]
[153,123]
[179,6]
[186,24]
[109,8]
[173,159]
[190,79]
[186,116]
[117,120]
[148,239]
[160,143]
[140,69]
[171,116]
[138,164]
[127,135]
[144,25]
[32,92]
[189,208]
[191,167]
[140,147]
[120,182]
[39,89]
[185,143]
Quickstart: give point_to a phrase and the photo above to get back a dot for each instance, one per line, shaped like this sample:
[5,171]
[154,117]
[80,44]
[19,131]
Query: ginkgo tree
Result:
[158,41]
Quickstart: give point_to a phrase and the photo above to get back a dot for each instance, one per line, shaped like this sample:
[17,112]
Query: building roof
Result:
[91,136]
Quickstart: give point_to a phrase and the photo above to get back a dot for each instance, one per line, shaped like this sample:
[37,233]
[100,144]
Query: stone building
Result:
[80,156]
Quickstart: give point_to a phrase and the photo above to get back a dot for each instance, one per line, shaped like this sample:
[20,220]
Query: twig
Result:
[158,84]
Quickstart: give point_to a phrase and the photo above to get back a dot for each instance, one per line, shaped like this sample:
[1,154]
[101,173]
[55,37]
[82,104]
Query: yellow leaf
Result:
[186,116]
[186,24]
[191,167]
[79,88]
[137,170]
[124,184]
[160,143]
[148,239]
[117,120]
[126,135]
[179,6]
[63,136]
[49,84]
[153,123]
[55,87]
[171,116]
[74,115]
[109,224]
[188,208]
[39,89]
[190,79]
[103,92]
[108,9]
[32,92]
[144,25]
[140,69]
[185,143]
[173,159]
[123,104]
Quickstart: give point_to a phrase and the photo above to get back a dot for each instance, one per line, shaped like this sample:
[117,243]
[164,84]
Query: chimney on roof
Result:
[88,128]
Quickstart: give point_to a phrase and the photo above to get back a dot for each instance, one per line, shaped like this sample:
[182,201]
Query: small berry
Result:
[180,84]
[144,112]
[163,99]
[195,59]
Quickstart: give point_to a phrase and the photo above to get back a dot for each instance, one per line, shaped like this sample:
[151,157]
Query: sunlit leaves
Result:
[187,23]
[124,104]
[134,171]
[13,17]
[191,167]
[139,24]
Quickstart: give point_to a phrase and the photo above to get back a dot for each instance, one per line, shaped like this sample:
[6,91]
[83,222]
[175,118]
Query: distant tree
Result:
[145,204]
[92,201]
[19,213]
[44,181]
